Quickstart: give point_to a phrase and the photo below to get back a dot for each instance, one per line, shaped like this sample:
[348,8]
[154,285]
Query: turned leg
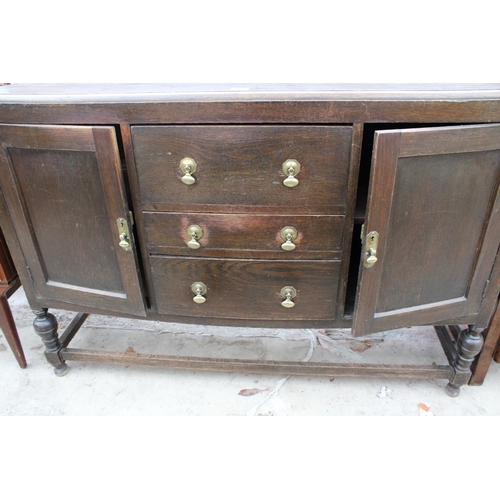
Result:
[469,345]
[10,331]
[45,326]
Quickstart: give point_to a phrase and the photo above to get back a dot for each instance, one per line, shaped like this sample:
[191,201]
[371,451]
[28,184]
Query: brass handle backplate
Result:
[291,168]
[199,289]
[188,167]
[288,293]
[371,249]
[289,234]
[195,233]
[124,234]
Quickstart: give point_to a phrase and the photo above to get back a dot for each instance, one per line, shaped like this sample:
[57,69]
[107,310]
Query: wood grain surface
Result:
[244,288]
[434,200]
[245,235]
[241,167]
[64,199]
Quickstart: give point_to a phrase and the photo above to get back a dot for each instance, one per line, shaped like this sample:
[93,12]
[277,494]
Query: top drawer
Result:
[239,168]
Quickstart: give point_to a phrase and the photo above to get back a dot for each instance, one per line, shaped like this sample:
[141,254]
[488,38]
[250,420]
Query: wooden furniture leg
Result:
[7,323]
[45,325]
[489,351]
[469,345]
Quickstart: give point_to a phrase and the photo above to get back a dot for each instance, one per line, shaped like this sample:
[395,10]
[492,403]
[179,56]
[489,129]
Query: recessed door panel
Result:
[64,190]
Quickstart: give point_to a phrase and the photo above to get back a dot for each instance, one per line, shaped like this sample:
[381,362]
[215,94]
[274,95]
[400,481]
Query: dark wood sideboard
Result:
[371,207]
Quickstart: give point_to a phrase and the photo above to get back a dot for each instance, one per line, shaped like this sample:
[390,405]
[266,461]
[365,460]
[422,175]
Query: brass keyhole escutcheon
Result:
[199,289]
[289,234]
[291,168]
[195,233]
[188,167]
[288,293]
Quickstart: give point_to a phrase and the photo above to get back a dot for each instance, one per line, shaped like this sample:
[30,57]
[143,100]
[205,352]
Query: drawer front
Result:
[240,168]
[246,289]
[244,235]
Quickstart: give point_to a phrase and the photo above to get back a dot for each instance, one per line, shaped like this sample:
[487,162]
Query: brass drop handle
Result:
[195,233]
[371,259]
[288,293]
[291,168]
[124,243]
[371,249]
[199,289]
[289,234]
[188,167]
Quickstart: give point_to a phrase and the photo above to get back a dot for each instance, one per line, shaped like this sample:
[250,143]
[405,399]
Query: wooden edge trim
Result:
[427,314]
[59,137]
[451,304]
[490,297]
[382,180]
[261,210]
[256,366]
[232,253]
[323,112]
[72,329]
[352,190]
[110,171]
[452,139]
[145,277]
[486,258]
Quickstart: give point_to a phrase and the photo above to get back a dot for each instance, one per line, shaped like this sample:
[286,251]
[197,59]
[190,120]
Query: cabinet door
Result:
[434,202]
[64,189]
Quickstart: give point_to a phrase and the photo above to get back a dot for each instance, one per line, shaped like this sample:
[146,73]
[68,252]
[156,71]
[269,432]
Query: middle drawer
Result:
[244,235]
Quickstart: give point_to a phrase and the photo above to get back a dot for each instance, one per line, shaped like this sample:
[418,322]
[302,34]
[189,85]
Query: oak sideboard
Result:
[370,207]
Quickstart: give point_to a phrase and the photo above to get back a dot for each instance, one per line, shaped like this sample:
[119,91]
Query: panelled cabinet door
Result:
[64,190]
[434,202]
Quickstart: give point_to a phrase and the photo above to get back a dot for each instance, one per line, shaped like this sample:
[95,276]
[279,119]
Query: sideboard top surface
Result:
[249,103]
[165,92]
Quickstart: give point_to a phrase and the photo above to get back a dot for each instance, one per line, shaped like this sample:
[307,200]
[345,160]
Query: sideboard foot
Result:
[61,370]
[469,345]
[452,390]
[45,325]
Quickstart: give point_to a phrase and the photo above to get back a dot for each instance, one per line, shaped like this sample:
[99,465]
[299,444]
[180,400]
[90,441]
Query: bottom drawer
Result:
[246,289]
